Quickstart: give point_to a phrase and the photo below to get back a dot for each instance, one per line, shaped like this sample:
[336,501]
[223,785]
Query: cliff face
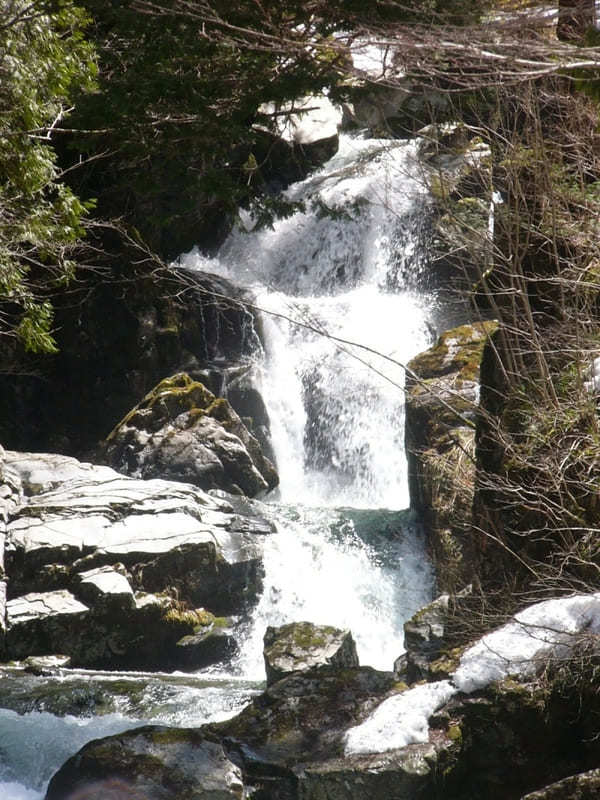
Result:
[119,333]
[442,399]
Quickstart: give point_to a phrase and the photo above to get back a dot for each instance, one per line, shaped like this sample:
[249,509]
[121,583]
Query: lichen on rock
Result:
[298,646]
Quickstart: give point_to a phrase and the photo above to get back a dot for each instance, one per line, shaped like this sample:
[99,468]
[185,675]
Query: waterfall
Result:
[336,280]
[339,268]
[344,265]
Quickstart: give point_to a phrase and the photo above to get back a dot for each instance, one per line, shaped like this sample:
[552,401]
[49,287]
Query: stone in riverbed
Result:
[202,649]
[153,763]
[298,646]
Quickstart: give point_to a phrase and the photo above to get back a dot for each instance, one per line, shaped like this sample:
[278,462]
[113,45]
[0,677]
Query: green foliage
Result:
[42,58]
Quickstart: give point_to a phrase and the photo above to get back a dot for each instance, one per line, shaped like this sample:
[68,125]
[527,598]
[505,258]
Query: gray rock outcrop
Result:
[155,763]
[442,397]
[117,572]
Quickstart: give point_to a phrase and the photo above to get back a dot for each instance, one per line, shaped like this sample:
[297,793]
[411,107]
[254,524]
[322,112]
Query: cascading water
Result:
[344,553]
[339,323]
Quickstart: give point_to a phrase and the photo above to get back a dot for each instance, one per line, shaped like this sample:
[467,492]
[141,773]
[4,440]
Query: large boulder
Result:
[118,572]
[299,646]
[155,763]
[442,396]
[181,431]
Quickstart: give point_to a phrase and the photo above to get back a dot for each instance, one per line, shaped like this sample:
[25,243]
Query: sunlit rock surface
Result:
[181,431]
[115,571]
[301,645]
[441,404]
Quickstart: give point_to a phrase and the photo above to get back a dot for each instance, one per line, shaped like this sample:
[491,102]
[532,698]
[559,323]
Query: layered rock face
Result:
[181,431]
[118,572]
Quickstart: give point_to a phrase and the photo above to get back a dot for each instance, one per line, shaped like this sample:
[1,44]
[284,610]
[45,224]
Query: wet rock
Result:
[303,717]
[181,431]
[202,649]
[442,396]
[298,646]
[155,763]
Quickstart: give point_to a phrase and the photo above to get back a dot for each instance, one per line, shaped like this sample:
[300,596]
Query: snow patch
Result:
[381,730]
[517,648]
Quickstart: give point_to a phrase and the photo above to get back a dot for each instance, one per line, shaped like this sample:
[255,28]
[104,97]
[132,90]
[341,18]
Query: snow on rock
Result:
[537,632]
[400,720]
[517,648]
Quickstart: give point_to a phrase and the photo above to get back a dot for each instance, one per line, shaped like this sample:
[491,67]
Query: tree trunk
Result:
[574,18]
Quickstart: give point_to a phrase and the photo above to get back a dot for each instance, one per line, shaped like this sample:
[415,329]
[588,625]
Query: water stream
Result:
[345,268]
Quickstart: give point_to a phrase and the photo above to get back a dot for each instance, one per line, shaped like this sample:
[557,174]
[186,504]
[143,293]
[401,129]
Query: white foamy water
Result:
[336,406]
[34,745]
[343,568]
[339,323]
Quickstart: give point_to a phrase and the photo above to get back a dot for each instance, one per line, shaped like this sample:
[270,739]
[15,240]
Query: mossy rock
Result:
[457,350]
[300,646]
[182,431]
[441,405]
[154,762]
